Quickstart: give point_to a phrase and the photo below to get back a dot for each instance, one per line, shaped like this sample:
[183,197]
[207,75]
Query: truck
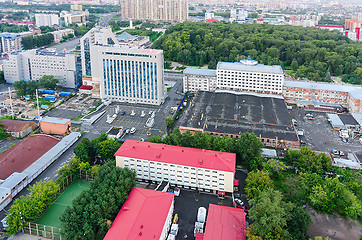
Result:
[201,215]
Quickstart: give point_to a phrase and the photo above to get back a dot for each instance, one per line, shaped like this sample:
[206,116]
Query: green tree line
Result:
[308,52]
[279,189]
[247,147]
[24,88]
[30,42]
[6,27]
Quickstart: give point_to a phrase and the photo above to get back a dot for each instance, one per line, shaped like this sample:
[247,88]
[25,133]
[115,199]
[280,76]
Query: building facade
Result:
[244,76]
[155,10]
[33,64]
[79,18]
[53,125]
[120,72]
[58,35]
[193,168]
[199,79]
[10,42]
[347,96]
[46,19]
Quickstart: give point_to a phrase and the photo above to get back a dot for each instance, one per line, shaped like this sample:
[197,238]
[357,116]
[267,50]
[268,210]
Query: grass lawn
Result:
[51,216]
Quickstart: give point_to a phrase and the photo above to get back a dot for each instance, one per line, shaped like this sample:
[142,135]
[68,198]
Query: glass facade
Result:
[132,79]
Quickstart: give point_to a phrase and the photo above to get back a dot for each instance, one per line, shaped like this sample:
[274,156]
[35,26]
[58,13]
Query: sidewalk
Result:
[27,237]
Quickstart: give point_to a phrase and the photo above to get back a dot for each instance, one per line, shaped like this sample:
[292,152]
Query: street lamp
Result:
[22,223]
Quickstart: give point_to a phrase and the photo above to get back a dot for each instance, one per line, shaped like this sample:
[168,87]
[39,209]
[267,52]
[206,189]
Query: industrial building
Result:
[22,163]
[348,96]
[120,72]
[43,19]
[33,64]
[152,10]
[224,223]
[193,168]
[17,128]
[247,75]
[224,113]
[53,125]
[146,214]
[342,121]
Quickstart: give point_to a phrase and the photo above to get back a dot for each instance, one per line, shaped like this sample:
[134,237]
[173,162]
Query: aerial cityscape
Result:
[180,119]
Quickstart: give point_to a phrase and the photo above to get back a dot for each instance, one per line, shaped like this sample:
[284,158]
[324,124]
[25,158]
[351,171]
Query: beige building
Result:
[42,19]
[58,35]
[155,10]
[75,17]
[199,79]
[193,168]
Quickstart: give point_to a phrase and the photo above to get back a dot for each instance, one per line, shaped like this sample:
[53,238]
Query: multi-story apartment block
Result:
[193,168]
[119,72]
[10,42]
[244,76]
[58,35]
[33,64]
[199,79]
[346,95]
[46,19]
[155,10]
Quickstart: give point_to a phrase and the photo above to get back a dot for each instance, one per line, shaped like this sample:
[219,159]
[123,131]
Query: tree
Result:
[108,148]
[2,79]
[169,123]
[270,214]
[94,210]
[294,65]
[298,223]
[257,182]
[48,82]
[248,147]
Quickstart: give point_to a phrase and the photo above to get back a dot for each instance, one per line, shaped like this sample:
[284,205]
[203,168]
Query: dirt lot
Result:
[333,226]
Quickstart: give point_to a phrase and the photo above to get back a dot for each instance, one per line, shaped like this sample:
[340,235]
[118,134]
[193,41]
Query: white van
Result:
[133,130]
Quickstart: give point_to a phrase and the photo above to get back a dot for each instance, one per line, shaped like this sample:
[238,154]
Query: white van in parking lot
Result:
[133,130]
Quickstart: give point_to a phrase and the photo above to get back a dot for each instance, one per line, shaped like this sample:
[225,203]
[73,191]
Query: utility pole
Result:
[11,104]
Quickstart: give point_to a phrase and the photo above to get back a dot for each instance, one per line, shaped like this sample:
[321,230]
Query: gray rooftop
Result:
[335,120]
[348,119]
[238,113]
[358,117]
[202,72]
[239,66]
[125,36]
[55,120]
[13,180]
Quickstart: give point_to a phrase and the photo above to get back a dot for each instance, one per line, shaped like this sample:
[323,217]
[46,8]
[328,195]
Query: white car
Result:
[177,192]
[133,130]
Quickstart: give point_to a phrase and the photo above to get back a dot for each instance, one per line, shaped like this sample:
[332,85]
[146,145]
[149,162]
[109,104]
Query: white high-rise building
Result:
[42,19]
[246,75]
[119,72]
[33,64]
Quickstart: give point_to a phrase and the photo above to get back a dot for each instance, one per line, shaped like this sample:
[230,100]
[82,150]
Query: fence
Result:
[43,231]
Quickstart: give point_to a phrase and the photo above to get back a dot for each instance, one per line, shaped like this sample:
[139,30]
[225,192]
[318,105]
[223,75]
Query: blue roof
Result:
[197,71]
[239,66]
[55,120]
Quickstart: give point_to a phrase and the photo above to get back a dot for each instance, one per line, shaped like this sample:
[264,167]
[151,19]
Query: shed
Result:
[53,125]
[18,128]
[336,122]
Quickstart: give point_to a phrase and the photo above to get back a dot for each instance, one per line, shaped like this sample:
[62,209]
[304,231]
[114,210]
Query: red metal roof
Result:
[225,223]
[199,236]
[236,182]
[142,216]
[85,87]
[211,20]
[24,153]
[193,157]
[329,26]
[16,125]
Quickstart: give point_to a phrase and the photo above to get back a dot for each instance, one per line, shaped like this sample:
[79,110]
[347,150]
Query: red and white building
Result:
[224,223]
[146,214]
[193,168]
[346,95]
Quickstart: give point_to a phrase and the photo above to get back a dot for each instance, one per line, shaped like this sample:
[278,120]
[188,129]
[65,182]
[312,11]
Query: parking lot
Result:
[319,134]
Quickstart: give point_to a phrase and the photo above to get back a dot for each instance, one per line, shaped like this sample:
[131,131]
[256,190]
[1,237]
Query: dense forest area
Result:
[306,52]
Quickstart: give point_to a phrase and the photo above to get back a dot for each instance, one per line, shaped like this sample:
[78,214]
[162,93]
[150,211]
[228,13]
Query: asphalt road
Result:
[50,173]
[68,46]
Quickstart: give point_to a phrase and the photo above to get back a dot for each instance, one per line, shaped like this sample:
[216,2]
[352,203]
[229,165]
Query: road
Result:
[68,46]
[50,173]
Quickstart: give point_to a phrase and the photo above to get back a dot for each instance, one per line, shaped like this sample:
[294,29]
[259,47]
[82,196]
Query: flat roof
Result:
[142,216]
[55,120]
[13,180]
[24,153]
[358,117]
[239,66]
[225,223]
[193,157]
[335,120]
[238,113]
[198,71]
[348,119]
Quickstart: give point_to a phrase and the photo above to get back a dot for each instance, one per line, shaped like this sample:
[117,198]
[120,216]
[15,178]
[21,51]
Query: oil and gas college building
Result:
[193,168]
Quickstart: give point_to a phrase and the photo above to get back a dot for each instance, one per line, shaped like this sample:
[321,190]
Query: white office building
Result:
[33,64]
[199,79]
[246,75]
[119,72]
[42,19]
[193,168]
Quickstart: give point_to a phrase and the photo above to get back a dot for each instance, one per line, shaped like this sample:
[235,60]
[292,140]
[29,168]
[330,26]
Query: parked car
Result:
[133,130]
[123,113]
[177,192]
[341,153]
[335,152]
